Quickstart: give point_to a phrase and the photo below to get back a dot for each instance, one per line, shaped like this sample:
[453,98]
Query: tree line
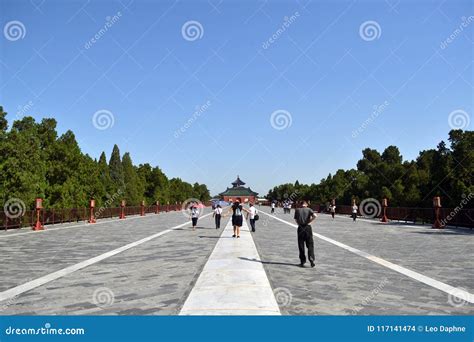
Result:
[447,172]
[36,162]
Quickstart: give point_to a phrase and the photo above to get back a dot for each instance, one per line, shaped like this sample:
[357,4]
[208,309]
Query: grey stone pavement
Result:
[156,277]
[344,283]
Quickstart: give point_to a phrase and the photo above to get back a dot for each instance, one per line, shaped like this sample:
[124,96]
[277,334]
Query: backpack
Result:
[237,211]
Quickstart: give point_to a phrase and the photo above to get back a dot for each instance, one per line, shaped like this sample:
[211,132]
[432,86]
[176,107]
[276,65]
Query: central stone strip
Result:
[233,281]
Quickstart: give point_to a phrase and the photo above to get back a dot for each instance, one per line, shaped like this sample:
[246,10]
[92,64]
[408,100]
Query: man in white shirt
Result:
[217,216]
[252,213]
[273,208]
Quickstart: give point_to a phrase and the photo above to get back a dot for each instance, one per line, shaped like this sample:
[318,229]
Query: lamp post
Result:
[38,207]
[142,208]
[437,208]
[384,208]
[91,207]
[122,210]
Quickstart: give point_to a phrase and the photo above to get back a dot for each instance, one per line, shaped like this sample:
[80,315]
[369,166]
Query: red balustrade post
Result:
[437,207]
[142,208]
[38,207]
[122,210]
[91,207]
[384,208]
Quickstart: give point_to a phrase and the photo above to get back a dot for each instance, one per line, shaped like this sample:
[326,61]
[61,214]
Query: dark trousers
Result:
[273,210]
[195,221]
[332,214]
[218,221]
[354,216]
[252,224]
[305,236]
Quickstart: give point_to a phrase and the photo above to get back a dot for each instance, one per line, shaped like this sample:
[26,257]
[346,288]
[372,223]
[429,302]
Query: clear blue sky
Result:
[318,68]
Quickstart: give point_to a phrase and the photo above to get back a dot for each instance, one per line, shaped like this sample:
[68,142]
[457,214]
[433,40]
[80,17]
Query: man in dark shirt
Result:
[303,217]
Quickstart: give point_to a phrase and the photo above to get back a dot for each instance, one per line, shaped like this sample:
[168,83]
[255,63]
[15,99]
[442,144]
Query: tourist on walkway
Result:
[253,214]
[237,217]
[354,211]
[217,216]
[332,209]
[194,215]
[273,208]
[303,217]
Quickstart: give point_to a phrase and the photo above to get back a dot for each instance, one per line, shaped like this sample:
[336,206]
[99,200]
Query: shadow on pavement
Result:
[270,262]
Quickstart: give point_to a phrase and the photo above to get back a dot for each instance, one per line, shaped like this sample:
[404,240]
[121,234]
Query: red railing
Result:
[58,216]
[449,216]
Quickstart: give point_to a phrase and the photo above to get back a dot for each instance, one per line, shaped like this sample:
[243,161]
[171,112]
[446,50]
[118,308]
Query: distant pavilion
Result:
[238,191]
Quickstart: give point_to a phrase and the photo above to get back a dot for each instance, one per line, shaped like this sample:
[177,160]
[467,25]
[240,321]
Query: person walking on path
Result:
[253,214]
[273,208]
[194,215]
[217,216]
[332,209]
[303,217]
[354,211]
[237,217]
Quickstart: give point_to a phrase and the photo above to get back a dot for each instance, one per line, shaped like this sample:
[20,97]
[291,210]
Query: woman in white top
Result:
[194,215]
[252,213]
[217,216]
[354,211]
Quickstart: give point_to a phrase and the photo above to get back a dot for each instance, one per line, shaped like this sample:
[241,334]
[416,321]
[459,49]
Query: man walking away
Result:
[273,208]
[303,217]
[253,214]
[217,216]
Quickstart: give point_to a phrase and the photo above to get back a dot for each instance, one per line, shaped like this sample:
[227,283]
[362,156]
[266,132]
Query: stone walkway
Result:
[156,265]
[231,285]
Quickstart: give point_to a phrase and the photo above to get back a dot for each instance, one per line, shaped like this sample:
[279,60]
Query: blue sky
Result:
[322,71]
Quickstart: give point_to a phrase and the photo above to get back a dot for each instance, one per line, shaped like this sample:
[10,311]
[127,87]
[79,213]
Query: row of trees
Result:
[35,162]
[445,172]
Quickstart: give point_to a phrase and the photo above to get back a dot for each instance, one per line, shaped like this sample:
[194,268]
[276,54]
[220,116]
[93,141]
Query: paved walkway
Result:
[156,265]
[229,284]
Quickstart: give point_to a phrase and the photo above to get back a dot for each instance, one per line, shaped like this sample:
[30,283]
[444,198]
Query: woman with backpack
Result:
[237,210]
